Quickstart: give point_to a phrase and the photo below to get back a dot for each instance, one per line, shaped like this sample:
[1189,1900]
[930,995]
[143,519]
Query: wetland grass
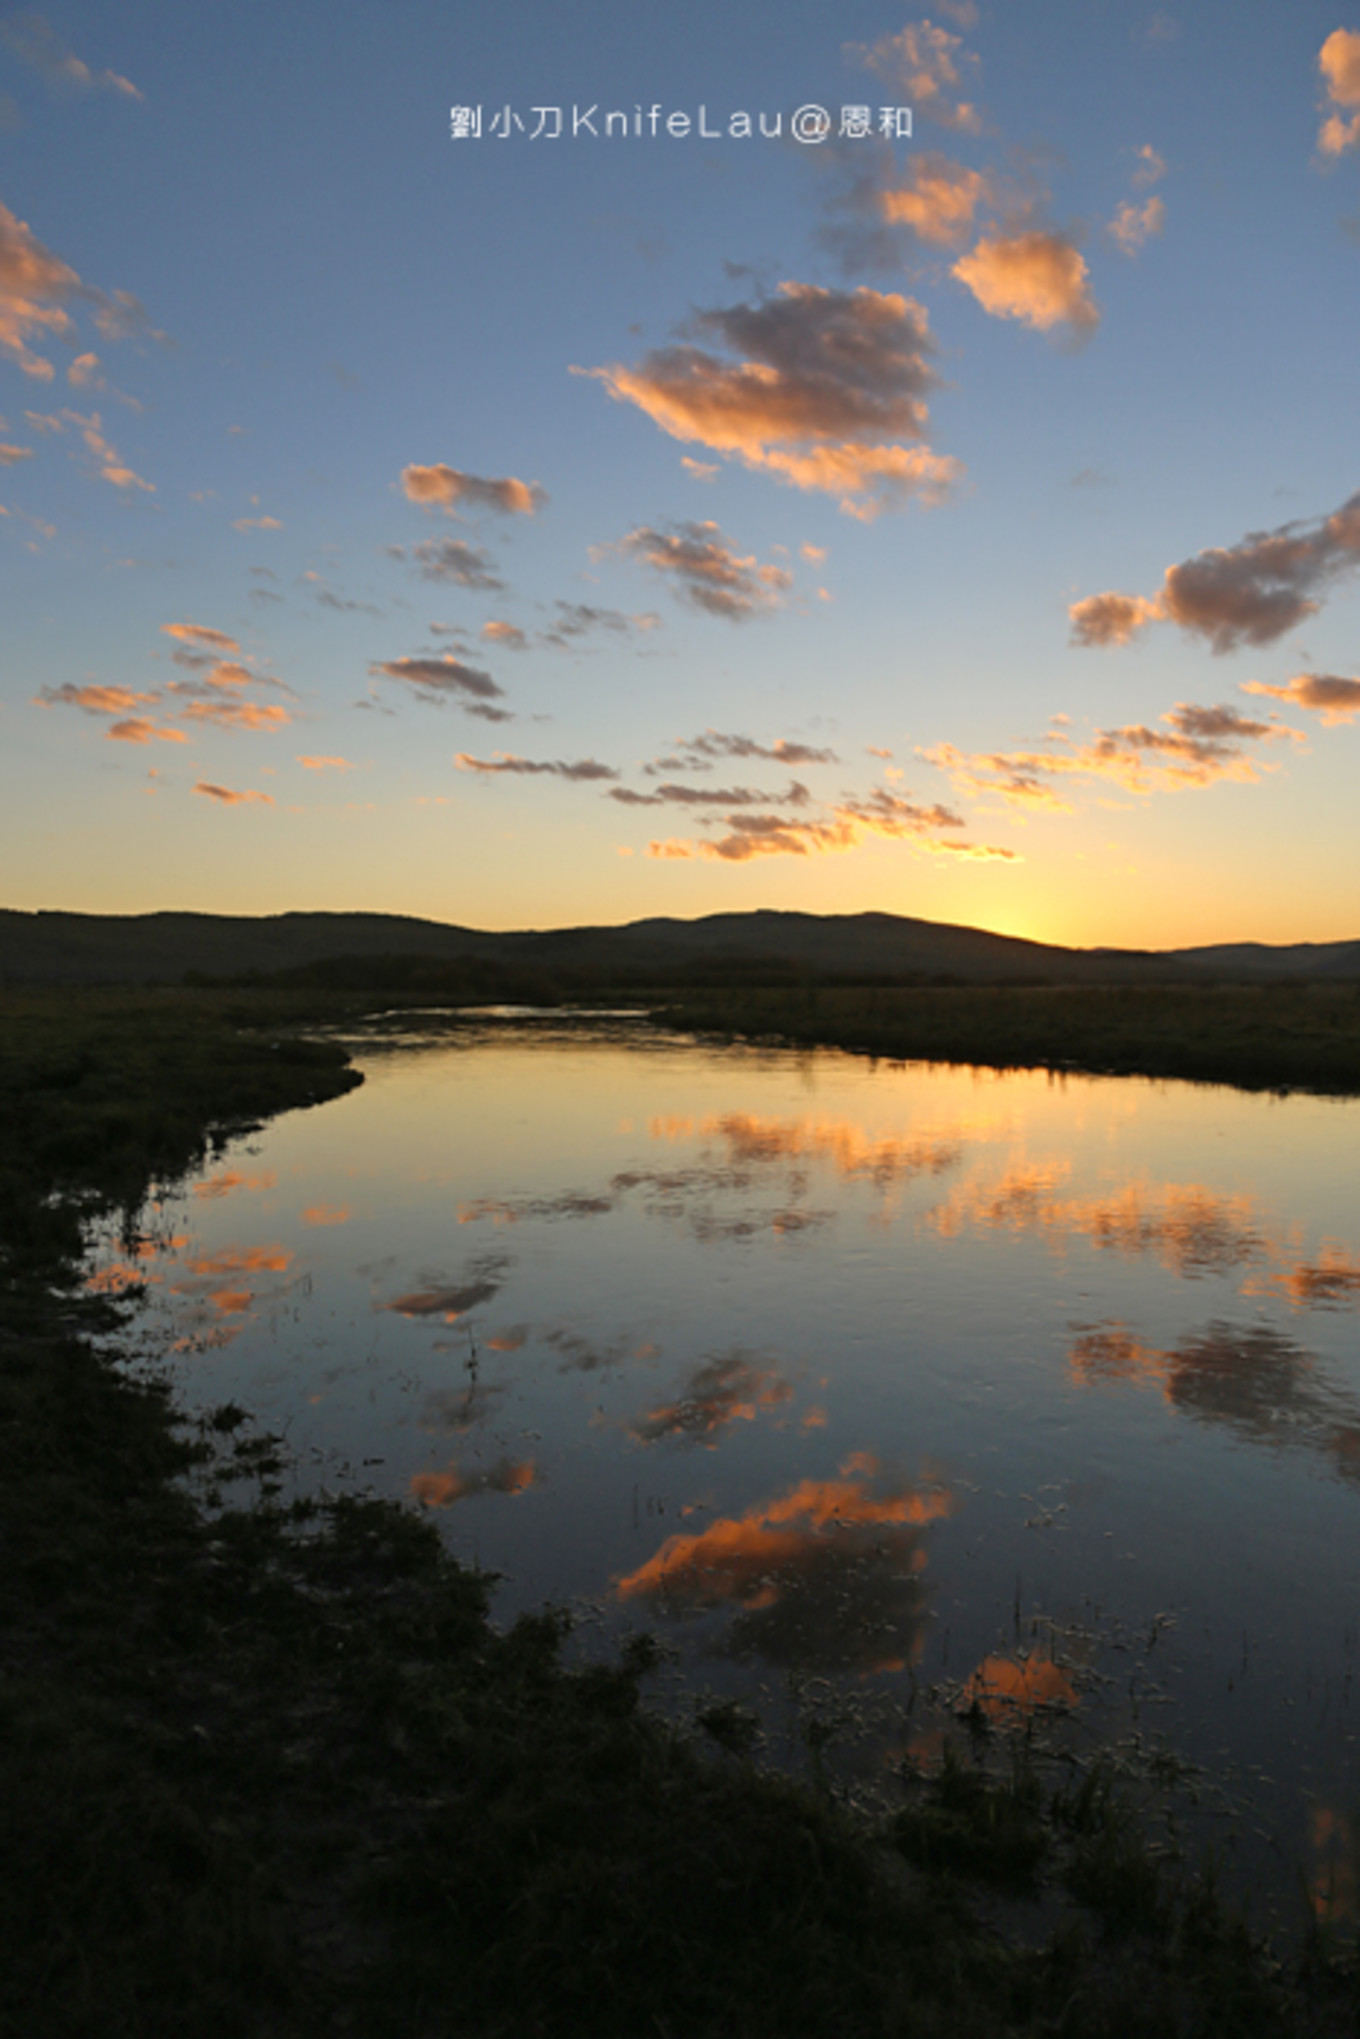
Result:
[271,1769]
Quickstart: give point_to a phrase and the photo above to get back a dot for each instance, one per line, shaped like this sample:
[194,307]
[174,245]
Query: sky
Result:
[563,464]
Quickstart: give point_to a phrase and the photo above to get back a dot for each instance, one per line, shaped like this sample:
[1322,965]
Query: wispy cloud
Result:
[197,634]
[932,829]
[227,797]
[451,560]
[111,467]
[439,679]
[1194,746]
[36,43]
[675,794]
[928,66]
[822,380]
[581,769]
[699,753]
[448,488]
[137,729]
[94,700]
[34,286]
[1249,593]
[708,572]
[1134,224]
[320,764]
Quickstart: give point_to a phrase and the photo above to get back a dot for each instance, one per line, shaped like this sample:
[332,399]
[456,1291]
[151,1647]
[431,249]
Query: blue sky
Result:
[525,532]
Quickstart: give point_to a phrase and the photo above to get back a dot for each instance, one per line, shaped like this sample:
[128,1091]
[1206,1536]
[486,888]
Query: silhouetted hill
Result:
[79,948]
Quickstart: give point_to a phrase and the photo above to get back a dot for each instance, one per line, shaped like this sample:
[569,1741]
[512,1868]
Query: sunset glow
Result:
[416,497]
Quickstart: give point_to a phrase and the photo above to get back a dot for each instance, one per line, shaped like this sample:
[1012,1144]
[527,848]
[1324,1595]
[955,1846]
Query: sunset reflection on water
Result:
[825,1369]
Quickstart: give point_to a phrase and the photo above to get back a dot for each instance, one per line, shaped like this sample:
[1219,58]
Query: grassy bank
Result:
[271,1770]
[1262,1037]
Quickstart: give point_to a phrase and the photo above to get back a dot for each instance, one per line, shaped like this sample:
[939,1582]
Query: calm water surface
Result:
[876,1390]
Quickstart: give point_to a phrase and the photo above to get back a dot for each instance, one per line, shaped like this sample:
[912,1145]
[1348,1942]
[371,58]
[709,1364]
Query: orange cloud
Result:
[1339,63]
[822,379]
[238,714]
[11,455]
[1249,593]
[938,201]
[136,729]
[1133,224]
[841,827]
[326,764]
[229,798]
[328,1214]
[1198,747]
[441,1490]
[256,524]
[33,286]
[1037,277]
[926,64]
[199,634]
[94,700]
[447,488]
[1336,700]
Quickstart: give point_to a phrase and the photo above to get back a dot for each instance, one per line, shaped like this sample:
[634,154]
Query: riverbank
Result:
[272,1769]
[1286,1036]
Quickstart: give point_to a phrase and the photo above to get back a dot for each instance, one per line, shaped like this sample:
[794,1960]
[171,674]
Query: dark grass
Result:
[1260,1037]
[271,1770]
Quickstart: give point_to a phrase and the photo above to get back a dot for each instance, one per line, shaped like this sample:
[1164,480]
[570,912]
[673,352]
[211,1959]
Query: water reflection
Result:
[1191,1229]
[224,1180]
[449,1302]
[458,1483]
[717,1392]
[827,1577]
[1251,1377]
[456,1286]
[1006,1687]
[1332,1888]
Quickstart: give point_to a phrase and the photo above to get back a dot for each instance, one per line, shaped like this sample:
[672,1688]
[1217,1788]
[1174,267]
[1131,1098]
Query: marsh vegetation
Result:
[269,1766]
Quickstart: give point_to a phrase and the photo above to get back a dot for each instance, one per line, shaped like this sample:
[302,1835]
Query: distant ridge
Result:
[83,948]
